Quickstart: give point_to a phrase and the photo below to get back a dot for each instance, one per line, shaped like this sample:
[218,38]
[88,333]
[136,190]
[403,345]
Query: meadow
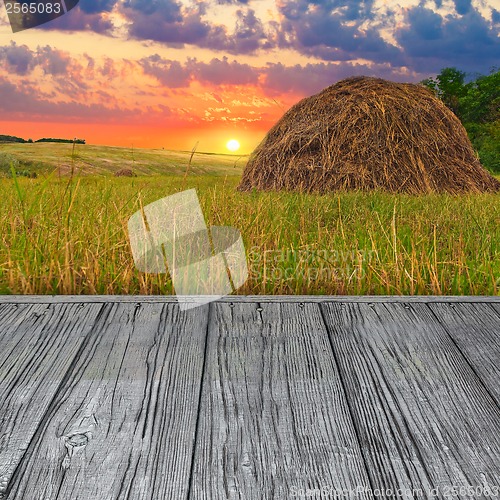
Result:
[65,232]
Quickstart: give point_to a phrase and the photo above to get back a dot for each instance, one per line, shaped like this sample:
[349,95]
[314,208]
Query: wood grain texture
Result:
[102,400]
[423,416]
[475,328]
[496,307]
[13,314]
[273,416]
[38,344]
[123,424]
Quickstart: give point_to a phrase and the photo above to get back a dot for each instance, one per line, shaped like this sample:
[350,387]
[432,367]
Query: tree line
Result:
[476,102]
[13,138]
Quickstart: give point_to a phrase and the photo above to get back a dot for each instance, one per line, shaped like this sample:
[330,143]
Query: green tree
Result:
[485,138]
[481,103]
[477,104]
[449,85]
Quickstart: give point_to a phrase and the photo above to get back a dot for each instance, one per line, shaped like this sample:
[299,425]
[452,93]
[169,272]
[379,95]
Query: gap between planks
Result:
[26,299]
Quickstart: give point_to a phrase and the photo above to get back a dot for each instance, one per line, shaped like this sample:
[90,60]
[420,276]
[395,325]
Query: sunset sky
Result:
[171,73]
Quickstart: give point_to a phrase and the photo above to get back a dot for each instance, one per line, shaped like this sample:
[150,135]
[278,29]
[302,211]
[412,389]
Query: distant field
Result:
[69,235]
[102,160]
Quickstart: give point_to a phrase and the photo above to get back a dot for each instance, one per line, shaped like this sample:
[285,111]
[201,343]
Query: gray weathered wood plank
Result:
[476,330]
[123,425]
[274,421]
[18,319]
[496,307]
[423,417]
[38,344]
[13,314]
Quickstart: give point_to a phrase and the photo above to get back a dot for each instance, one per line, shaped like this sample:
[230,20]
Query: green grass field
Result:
[63,234]
[92,160]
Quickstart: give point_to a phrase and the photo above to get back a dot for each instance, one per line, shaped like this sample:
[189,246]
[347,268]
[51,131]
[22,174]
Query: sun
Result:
[233,145]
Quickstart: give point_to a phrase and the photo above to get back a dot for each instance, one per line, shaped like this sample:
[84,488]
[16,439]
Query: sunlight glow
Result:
[233,145]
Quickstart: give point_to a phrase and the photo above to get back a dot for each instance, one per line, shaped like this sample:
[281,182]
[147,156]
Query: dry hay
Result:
[367,133]
[125,172]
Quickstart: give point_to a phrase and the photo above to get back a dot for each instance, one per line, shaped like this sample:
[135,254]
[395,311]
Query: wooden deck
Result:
[249,397]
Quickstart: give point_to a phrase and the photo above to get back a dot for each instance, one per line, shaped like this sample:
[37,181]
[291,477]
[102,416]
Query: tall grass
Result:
[69,236]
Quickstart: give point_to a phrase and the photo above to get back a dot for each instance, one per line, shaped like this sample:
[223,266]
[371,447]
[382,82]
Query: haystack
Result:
[125,172]
[367,133]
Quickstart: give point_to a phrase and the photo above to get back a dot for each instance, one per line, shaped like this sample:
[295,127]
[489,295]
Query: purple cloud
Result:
[431,42]
[223,72]
[79,20]
[169,73]
[26,102]
[311,78]
[331,31]
[18,59]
